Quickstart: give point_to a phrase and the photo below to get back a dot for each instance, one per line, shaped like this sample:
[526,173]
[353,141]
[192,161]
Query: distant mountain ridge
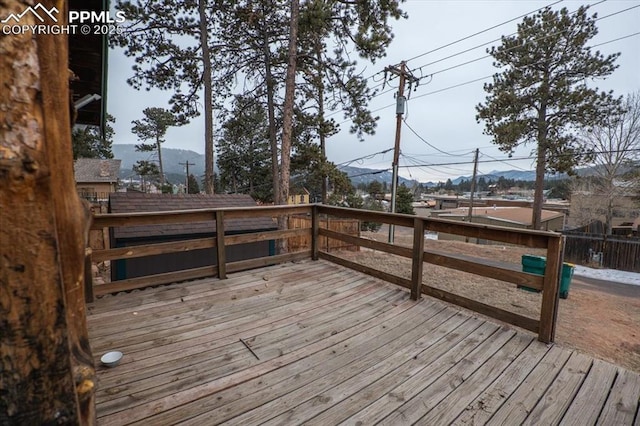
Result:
[366,175]
[363,175]
[171,159]
[174,171]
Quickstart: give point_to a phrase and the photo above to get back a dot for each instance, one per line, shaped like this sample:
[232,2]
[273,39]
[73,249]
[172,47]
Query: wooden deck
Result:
[316,343]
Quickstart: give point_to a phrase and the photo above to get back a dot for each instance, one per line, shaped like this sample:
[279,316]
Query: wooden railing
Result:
[548,284]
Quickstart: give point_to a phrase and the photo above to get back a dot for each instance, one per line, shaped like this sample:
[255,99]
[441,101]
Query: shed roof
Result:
[132,202]
[92,170]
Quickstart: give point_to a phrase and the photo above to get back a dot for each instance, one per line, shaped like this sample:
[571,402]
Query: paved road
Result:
[626,290]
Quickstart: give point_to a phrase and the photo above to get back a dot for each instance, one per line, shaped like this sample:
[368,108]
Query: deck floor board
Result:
[335,346]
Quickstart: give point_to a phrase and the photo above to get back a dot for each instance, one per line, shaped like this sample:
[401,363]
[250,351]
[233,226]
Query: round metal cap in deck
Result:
[111,359]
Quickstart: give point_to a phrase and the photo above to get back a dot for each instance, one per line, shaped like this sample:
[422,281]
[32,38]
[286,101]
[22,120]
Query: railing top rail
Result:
[522,231]
[102,220]
[407,220]
[517,236]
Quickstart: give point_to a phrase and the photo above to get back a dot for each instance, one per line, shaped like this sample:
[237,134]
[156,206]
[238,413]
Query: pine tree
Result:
[171,47]
[194,187]
[404,200]
[243,151]
[89,142]
[542,94]
[153,127]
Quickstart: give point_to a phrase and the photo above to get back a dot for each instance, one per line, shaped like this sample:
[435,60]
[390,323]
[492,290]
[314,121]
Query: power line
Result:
[482,78]
[486,56]
[512,165]
[365,157]
[500,38]
[518,46]
[376,172]
[382,82]
[427,143]
[617,39]
[481,32]
[530,157]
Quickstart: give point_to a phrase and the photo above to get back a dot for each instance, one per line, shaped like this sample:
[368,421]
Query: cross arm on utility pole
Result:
[405,76]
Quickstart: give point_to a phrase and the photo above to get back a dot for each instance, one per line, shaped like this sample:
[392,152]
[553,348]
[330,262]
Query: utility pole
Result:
[473,183]
[400,107]
[187,164]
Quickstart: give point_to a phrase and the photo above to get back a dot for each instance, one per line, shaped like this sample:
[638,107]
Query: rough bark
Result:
[160,166]
[322,134]
[541,163]
[46,368]
[273,141]
[287,116]
[287,120]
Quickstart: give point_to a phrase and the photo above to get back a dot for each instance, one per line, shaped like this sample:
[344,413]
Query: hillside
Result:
[171,159]
[174,171]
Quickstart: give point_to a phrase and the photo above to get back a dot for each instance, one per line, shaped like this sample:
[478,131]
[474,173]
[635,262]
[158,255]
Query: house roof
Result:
[92,170]
[298,190]
[521,215]
[132,202]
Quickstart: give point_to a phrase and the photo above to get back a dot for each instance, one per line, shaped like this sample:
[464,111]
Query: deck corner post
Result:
[220,247]
[315,221]
[88,276]
[550,290]
[417,261]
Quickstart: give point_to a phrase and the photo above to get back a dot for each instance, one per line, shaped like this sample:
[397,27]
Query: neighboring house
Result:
[132,202]
[298,195]
[510,217]
[96,178]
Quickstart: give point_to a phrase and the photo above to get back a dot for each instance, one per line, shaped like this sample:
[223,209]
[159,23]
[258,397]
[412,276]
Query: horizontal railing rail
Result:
[220,242]
[548,284]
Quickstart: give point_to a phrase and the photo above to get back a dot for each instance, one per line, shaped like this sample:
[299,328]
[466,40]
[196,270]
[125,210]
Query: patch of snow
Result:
[623,277]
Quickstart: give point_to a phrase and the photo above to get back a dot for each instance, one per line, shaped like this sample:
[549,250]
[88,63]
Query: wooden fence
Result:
[548,284]
[607,251]
[344,226]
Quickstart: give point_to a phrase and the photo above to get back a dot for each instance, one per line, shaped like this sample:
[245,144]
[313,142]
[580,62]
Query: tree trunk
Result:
[273,141]
[538,195]
[321,133]
[208,100]
[609,214]
[287,119]
[160,161]
[541,166]
[47,374]
[287,115]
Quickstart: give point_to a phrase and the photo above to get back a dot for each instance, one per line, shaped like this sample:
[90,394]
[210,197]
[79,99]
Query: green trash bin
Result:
[537,265]
[565,279]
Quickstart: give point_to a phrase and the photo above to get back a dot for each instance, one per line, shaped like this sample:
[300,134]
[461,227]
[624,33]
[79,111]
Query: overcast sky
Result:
[439,114]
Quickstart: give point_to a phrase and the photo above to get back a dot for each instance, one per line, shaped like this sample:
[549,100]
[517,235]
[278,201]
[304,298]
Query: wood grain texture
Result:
[335,346]
[46,369]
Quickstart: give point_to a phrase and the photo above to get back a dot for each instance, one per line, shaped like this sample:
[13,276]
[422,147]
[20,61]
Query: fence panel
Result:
[344,226]
[611,252]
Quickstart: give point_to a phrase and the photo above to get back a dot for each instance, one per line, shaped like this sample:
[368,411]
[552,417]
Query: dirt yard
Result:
[595,322]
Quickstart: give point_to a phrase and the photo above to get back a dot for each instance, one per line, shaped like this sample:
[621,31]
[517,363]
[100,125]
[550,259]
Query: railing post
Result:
[220,248]
[550,291]
[315,219]
[417,263]
[88,276]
